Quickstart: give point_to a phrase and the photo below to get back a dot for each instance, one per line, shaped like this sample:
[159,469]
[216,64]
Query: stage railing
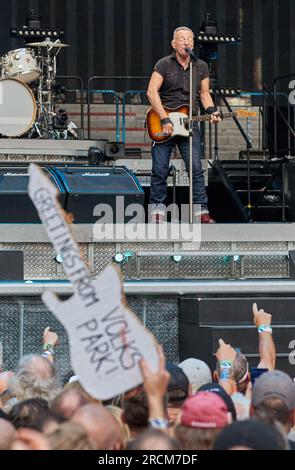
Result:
[115,93]
[126,94]
[110,92]
[277,109]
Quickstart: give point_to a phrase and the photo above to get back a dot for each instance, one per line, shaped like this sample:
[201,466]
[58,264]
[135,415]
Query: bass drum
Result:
[17,107]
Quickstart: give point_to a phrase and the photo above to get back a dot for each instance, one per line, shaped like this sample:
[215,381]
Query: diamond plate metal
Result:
[156,268]
[266,267]
[208,267]
[212,246]
[162,320]
[102,256]
[10,331]
[261,246]
[152,246]
[136,304]
[39,262]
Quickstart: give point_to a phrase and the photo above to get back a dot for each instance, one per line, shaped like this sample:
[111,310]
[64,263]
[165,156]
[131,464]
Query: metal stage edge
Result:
[156,288]
[233,233]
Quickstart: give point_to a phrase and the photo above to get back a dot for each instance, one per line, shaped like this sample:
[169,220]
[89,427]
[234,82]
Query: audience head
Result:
[102,429]
[197,372]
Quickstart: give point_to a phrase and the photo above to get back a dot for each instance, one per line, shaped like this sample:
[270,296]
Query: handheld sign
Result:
[106,338]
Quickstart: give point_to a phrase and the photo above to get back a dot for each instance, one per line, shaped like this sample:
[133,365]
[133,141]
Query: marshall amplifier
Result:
[15,203]
[106,193]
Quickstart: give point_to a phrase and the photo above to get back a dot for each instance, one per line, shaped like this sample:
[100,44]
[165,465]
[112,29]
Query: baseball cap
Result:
[205,410]
[214,387]
[274,384]
[197,372]
[254,435]
[178,387]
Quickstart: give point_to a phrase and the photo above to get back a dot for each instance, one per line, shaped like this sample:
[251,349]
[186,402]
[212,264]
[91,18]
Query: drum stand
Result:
[44,124]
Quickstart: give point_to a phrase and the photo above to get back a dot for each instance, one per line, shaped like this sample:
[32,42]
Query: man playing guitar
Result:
[169,87]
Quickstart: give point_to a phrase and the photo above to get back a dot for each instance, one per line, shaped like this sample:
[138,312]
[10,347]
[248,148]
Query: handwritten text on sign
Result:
[106,338]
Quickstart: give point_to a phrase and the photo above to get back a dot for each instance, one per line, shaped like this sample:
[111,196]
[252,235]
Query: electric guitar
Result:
[180,120]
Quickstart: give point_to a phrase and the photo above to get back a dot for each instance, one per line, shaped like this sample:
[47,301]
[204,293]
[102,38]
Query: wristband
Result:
[226,374]
[211,110]
[225,364]
[48,349]
[226,369]
[46,354]
[264,328]
[159,423]
[166,120]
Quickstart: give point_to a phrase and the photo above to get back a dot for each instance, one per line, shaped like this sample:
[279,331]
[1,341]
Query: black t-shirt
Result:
[174,91]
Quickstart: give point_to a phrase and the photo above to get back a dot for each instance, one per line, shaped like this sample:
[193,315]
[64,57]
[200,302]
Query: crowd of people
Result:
[178,407]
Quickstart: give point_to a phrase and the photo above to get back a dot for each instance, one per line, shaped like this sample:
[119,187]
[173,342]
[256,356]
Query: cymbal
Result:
[47,44]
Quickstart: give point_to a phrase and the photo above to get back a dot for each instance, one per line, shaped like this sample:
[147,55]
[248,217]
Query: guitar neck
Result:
[207,117]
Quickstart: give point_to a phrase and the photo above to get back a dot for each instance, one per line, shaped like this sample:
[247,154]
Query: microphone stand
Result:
[193,58]
[190,120]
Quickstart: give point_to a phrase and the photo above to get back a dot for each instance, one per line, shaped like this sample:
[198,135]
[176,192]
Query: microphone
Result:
[191,53]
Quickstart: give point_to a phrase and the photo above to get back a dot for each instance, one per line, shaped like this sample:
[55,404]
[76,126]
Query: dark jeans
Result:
[161,154]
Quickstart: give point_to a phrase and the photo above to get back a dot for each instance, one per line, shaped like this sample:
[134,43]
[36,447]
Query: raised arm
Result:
[267,350]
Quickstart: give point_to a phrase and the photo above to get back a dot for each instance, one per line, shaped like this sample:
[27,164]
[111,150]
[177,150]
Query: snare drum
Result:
[21,64]
[17,107]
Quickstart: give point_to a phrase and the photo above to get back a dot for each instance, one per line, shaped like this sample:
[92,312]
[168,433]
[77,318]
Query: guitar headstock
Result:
[243,113]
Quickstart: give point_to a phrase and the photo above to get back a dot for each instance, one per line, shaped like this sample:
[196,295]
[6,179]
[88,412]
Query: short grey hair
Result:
[181,28]
[35,380]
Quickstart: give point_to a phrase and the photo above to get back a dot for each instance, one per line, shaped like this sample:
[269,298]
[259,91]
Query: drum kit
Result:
[27,90]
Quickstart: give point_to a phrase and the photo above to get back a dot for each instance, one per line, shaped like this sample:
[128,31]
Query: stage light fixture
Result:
[118,257]
[33,33]
[176,258]
[204,38]
[58,259]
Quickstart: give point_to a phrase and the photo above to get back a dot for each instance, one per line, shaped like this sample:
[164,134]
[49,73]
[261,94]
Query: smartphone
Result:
[255,372]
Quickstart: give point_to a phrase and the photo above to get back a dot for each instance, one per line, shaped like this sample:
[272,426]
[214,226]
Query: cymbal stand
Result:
[44,124]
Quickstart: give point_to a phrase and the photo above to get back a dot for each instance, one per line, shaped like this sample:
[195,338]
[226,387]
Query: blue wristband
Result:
[226,374]
[159,423]
[225,364]
[264,328]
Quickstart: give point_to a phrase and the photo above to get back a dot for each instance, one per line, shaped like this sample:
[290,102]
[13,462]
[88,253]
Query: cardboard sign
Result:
[106,338]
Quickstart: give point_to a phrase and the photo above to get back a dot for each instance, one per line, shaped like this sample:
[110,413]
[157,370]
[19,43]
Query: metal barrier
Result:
[127,93]
[276,108]
[89,91]
[79,79]
[112,92]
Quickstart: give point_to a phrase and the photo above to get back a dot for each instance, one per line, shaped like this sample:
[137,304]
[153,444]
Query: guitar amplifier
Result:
[15,203]
[113,188]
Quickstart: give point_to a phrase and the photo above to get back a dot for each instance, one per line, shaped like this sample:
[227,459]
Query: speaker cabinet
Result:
[113,188]
[15,203]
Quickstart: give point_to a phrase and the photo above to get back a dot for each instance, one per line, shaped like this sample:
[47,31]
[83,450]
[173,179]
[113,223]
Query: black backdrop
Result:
[119,37]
